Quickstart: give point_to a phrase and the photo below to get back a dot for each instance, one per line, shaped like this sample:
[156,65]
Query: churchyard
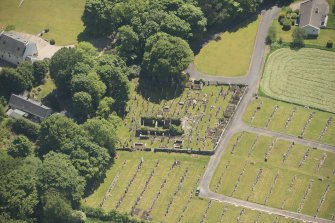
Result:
[278,173]
[194,120]
[162,187]
[302,76]
[291,119]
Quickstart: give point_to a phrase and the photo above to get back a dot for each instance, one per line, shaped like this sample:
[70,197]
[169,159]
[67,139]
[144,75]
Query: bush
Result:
[280,18]
[175,130]
[46,30]
[294,15]
[286,25]
[329,44]
[2,112]
[52,42]
[296,11]
[9,28]
[288,10]
[25,127]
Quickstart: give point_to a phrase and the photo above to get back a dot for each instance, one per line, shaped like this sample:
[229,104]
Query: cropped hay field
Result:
[201,113]
[304,77]
[278,173]
[291,119]
[169,195]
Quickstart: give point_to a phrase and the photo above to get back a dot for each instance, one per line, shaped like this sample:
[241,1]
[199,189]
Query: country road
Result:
[252,79]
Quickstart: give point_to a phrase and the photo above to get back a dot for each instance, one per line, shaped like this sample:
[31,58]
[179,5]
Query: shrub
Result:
[46,30]
[296,11]
[280,40]
[280,18]
[9,28]
[288,10]
[175,130]
[329,44]
[52,42]
[286,25]
[294,15]
[25,127]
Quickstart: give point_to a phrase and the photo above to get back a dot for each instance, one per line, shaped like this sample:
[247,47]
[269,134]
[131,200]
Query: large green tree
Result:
[165,58]
[12,81]
[19,187]
[41,68]
[57,173]
[21,147]
[82,105]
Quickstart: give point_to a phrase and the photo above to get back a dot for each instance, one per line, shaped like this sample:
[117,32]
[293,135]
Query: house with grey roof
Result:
[23,106]
[313,16]
[14,49]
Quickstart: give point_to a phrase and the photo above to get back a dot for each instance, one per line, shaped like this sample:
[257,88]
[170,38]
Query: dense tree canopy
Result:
[57,173]
[41,68]
[82,105]
[166,57]
[21,147]
[11,81]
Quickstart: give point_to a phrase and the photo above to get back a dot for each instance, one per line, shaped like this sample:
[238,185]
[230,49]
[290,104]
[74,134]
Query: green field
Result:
[229,56]
[291,119]
[279,174]
[155,199]
[62,17]
[200,111]
[304,77]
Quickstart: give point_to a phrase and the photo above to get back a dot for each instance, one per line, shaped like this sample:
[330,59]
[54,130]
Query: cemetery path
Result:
[236,125]
[289,138]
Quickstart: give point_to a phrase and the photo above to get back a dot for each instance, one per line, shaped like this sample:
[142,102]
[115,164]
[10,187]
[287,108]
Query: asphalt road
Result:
[252,80]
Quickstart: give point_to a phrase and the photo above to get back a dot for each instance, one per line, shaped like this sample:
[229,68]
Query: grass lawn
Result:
[280,181]
[304,77]
[39,92]
[201,112]
[321,40]
[229,56]
[298,117]
[62,17]
[157,198]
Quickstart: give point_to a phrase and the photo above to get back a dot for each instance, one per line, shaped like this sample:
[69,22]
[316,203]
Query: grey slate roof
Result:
[29,106]
[312,12]
[13,44]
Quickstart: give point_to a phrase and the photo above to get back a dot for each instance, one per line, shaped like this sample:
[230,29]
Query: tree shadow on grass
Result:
[156,92]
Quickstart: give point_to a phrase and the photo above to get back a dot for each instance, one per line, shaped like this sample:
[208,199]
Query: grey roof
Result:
[12,44]
[29,106]
[313,12]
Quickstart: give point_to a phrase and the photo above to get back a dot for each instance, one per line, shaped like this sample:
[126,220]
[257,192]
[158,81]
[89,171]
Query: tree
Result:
[129,43]
[11,82]
[57,209]
[57,133]
[25,69]
[57,173]
[21,147]
[165,58]
[298,37]
[103,133]
[87,53]
[61,66]
[19,187]
[41,68]
[2,113]
[105,108]
[82,105]
[90,84]
[272,35]
[25,127]
[175,26]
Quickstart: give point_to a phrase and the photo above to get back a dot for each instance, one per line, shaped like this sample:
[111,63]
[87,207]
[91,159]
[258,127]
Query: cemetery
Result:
[191,122]
[279,174]
[291,119]
[162,187]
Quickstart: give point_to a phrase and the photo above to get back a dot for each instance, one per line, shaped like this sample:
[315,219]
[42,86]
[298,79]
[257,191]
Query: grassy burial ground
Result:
[230,54]
[291,119]
[192,119]
[62,17]
[279,174]
[161,187]
[304,77]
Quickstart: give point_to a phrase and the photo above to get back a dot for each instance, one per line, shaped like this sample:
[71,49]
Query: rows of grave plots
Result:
[292,119]
[201,114]
[152,187]
[278,173]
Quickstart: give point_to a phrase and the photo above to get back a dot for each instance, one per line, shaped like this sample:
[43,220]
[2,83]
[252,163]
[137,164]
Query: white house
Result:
[15,50]
[313,16]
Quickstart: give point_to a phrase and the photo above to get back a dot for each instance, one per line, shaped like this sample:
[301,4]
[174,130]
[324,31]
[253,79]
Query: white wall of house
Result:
[31,50]
[10,58]
[311,30]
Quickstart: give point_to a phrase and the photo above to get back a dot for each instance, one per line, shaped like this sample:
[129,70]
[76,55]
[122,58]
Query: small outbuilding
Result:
[313,16]
[22,106]
[14,49]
